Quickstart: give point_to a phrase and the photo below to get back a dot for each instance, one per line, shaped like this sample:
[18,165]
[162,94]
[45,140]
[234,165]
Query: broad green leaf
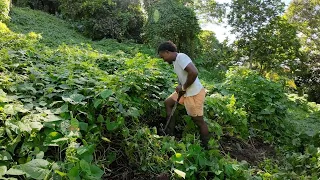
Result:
[64,127]
[180,173]
[74,128]
[3,96]
[82,150]
[36,125]
[73,174]
[52,118]
[228,169]
[28,126]
[64,86]
[106,93]
[85,166]
[74,99]
[218,172]
[55,166]
[100,118]
[62,109]
[3,170]
[5,156]
[42,103]
[13,171]
[192,168]
[112,126]
[36,168]
[235,167]
[11,146]
[40,155]
[202,160]
[134,112]
[83,126]
[96,172]
[77,97]
[87,156]
[13,109]
[97,102]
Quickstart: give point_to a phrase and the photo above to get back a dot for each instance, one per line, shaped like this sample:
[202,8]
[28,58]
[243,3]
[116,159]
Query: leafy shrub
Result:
[4,10]
[63,98]
[152,153]
[105,19]
[263,100]
[294,165]
[230,117]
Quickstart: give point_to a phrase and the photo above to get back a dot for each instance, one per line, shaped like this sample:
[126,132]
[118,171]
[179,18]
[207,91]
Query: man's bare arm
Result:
[192,75]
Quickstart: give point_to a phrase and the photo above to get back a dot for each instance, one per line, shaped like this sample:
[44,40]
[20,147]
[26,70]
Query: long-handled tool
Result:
[172,112]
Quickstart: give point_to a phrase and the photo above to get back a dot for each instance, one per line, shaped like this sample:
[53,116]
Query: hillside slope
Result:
[56,32]
[72,108]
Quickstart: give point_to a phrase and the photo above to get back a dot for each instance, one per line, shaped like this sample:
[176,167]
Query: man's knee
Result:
[169,102]
[198,120]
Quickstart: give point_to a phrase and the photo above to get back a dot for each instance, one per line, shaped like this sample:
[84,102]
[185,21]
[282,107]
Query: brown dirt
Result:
[253,151]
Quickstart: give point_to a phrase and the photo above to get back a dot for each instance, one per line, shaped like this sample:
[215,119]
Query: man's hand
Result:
[179,90]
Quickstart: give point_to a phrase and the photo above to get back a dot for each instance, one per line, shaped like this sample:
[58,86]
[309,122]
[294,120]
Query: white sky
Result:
[222,30]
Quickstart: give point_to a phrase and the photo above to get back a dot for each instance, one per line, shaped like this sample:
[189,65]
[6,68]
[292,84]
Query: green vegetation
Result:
[4,9]
[168,19]
[73,108]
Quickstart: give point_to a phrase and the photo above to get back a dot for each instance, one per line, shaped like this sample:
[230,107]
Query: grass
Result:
[56,32]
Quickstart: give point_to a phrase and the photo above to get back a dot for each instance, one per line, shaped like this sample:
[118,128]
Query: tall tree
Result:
[276,46]
[305,14]
[171,20]
[247,17]
[211,51]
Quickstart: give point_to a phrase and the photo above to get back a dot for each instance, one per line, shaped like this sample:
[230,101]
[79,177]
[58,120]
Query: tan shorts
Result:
[193,104]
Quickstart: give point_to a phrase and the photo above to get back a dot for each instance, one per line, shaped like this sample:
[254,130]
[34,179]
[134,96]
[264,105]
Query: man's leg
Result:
[203,128]
[169,103]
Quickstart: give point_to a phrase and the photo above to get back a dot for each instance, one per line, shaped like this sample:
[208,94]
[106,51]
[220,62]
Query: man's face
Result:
[167,56]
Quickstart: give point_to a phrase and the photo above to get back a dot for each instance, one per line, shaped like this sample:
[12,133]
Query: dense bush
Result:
[263,100]
[55,99]
[230,117]
[4,10]
[105,19]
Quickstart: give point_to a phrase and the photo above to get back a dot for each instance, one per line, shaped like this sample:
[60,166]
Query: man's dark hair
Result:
[167,46]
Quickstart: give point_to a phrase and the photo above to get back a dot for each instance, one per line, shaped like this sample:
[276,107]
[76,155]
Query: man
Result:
[193,93]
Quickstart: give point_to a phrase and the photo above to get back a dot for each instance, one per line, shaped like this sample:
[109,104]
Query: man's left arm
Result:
[192,75]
